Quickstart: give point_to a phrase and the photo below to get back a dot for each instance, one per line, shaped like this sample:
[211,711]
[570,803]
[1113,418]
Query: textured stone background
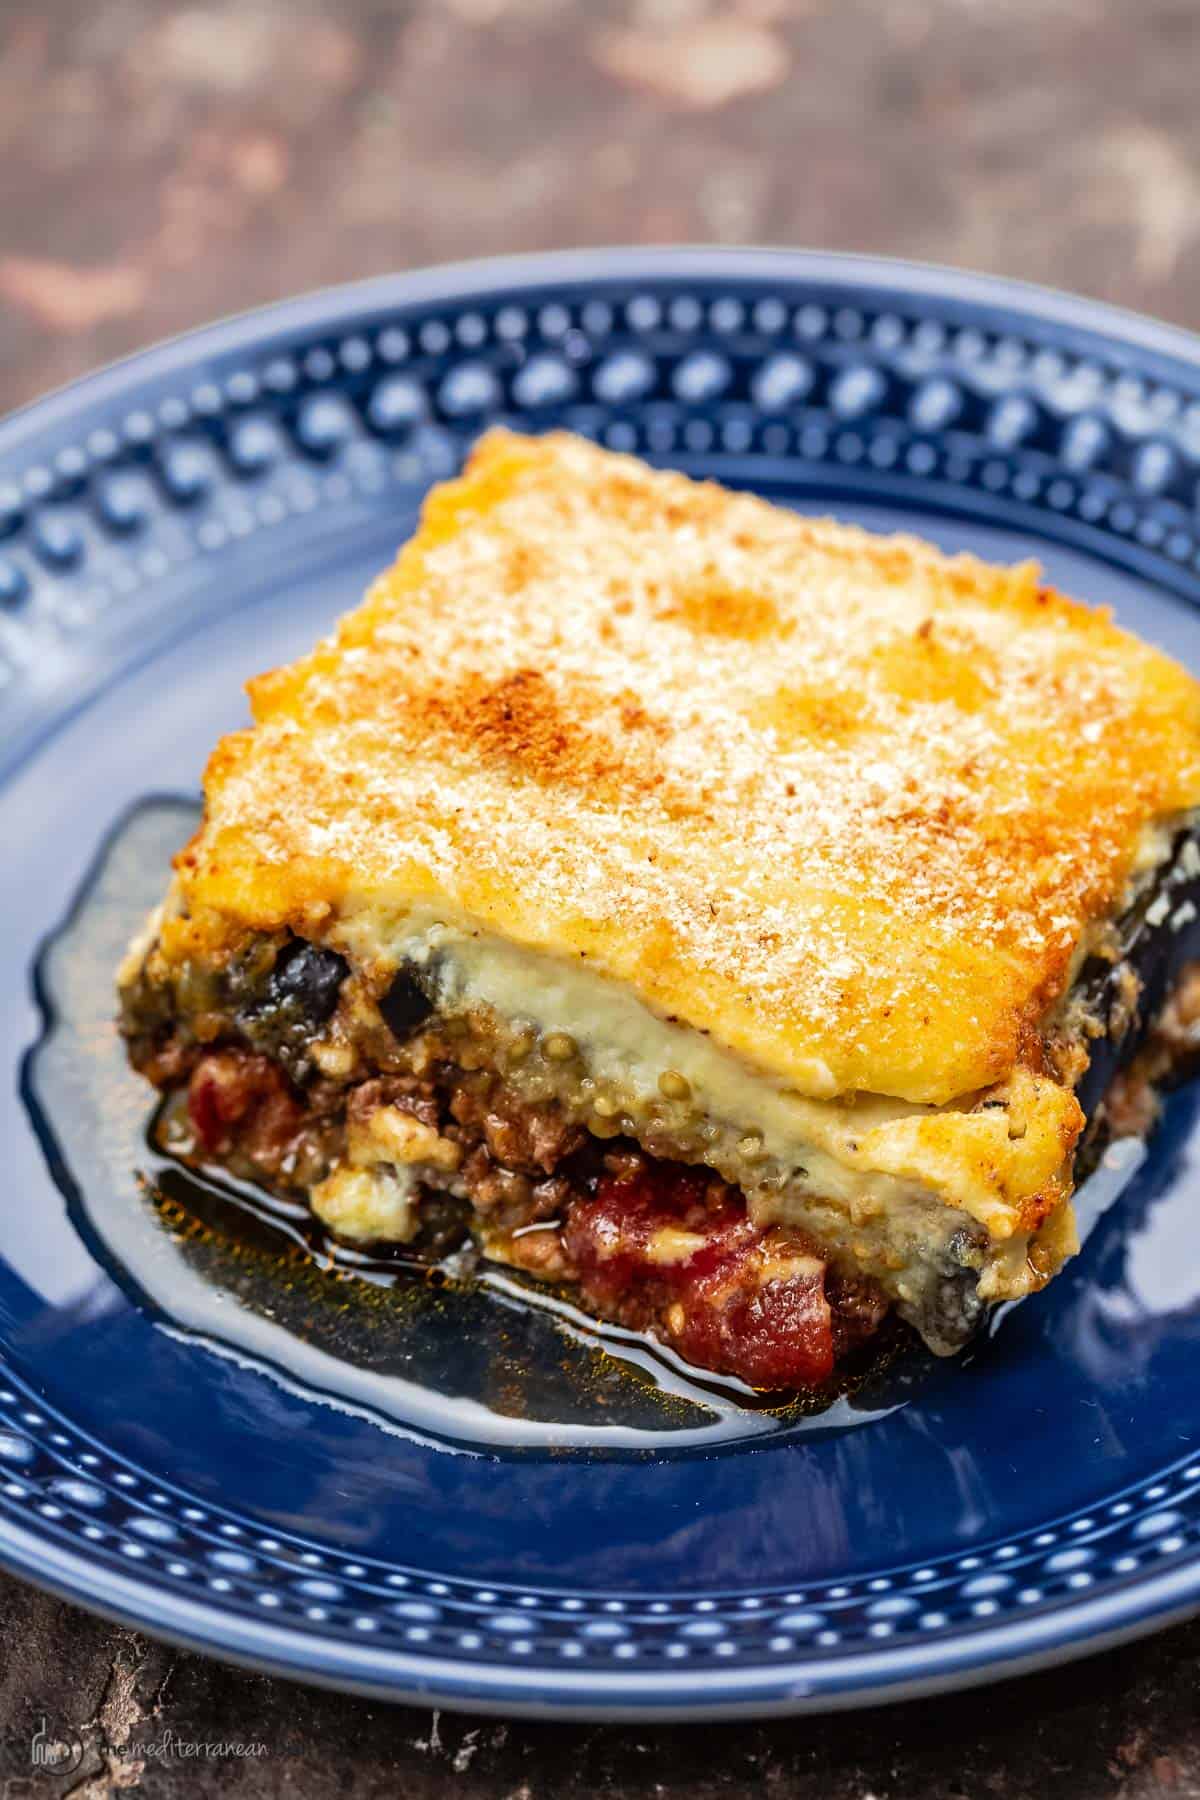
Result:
[161,165]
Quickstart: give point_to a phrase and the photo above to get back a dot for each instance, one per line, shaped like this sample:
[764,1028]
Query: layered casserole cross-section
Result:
[739,917]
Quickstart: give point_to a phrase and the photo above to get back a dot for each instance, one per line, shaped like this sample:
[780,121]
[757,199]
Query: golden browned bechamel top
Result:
[841,801]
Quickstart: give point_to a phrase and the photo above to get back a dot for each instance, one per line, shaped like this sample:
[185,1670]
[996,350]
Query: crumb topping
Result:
[839,800]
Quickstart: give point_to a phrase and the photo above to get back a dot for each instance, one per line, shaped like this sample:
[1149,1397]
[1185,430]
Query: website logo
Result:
[55,1750]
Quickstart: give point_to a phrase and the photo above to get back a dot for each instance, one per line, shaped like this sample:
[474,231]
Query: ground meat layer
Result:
[654,1245]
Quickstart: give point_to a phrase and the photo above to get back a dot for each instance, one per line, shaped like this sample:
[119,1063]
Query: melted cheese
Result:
[365,1205]
[883,1185]
[1000,1164]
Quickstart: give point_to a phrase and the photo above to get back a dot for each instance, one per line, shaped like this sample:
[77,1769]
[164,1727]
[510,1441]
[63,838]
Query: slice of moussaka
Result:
[741,919]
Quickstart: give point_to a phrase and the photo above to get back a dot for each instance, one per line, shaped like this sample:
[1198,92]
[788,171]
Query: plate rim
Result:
[806,1684]
[476,276]
[779,1690]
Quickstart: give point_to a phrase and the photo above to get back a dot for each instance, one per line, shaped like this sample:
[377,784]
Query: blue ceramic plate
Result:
[356,1478]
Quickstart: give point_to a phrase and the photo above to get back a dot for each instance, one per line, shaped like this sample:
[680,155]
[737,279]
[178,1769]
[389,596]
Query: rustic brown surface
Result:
[162,165]
[1121,1725]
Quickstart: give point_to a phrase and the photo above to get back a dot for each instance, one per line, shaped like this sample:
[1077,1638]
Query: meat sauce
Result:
[239,1101]
[670,1246]
[653,1244]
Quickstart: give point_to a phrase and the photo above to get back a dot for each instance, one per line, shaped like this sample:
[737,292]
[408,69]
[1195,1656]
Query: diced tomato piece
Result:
[216,1100]
[774,1333]
[674,1247]
[229,1089]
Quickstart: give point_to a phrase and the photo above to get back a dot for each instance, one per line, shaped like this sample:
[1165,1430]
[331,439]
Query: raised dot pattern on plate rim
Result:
[825,384]
[90,1499]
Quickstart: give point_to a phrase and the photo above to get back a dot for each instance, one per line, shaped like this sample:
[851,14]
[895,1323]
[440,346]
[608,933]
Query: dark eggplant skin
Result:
[308,978]
[283,1013]
[301,994]
[1155,941]
[405,1005]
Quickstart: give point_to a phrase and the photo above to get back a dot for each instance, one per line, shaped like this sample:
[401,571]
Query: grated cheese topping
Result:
[842,802]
